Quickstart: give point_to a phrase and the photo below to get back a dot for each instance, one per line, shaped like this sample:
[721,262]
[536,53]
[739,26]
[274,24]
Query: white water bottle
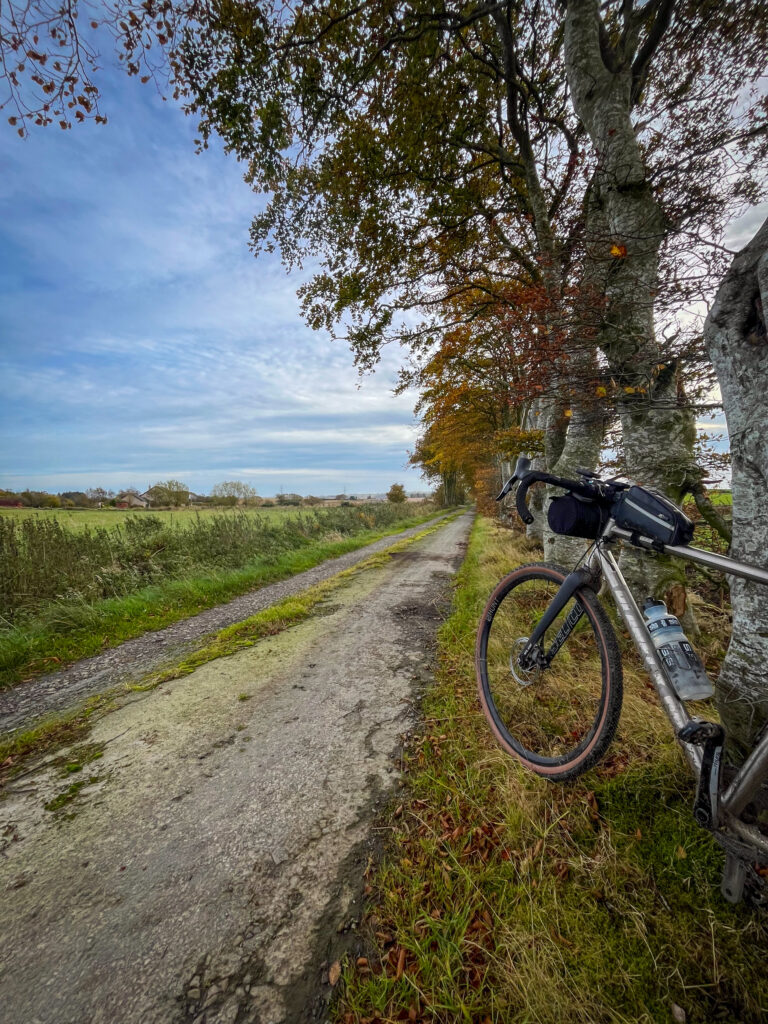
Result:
[682,663]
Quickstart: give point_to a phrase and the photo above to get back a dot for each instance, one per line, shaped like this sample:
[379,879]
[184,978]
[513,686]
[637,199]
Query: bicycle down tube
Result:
[635,623]
[753,772]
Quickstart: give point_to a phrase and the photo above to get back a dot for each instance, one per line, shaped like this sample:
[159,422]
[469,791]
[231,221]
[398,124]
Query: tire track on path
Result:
[211,862]
[57,691]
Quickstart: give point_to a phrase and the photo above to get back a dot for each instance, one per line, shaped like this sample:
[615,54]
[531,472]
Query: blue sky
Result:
[141,340]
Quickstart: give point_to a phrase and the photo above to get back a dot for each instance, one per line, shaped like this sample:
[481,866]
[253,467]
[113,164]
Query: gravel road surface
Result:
[23,704]
[207,866]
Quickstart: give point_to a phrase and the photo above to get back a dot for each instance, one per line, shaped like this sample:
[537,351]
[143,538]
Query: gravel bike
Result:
[549,665]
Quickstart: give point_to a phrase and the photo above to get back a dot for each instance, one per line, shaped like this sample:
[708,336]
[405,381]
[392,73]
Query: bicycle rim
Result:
[559,715]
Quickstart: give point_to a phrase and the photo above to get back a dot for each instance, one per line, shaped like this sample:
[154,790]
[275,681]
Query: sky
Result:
[141,340]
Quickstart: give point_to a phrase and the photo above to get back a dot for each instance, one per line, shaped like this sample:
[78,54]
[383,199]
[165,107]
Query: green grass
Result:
[504,898]
[50,734]
[275,619]
[63,729]
[110,518]
[69,630]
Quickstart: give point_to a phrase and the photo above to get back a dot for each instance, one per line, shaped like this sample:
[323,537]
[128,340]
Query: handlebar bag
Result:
[652,515]
[572,516]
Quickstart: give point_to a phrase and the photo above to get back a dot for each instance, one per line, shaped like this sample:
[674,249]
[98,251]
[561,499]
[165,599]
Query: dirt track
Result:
[210,862]
[56,691]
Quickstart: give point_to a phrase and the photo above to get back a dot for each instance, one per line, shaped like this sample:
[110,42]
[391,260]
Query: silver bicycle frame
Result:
[754,770]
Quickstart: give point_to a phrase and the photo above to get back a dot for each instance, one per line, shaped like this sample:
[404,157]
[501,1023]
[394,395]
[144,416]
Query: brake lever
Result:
[506,488]
[522,467]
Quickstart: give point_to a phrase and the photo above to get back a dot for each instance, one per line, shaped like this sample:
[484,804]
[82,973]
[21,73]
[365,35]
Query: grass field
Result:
[110,518]
[67,594]
[505,899]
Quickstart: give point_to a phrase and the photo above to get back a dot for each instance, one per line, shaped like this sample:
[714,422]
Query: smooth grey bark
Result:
[735,334]
[580,450]
[566,443]
[627,228]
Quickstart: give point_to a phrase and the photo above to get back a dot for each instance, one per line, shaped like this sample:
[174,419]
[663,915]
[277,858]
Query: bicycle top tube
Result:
[691,554]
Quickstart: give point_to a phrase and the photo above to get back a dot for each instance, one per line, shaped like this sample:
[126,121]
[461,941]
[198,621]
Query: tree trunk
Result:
[627,228]
[735,333]
[580,450]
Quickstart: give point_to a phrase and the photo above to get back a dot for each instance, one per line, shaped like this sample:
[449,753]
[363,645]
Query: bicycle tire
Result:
[530,716]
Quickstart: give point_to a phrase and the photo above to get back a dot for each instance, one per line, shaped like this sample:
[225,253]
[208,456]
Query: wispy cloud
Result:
[141,339]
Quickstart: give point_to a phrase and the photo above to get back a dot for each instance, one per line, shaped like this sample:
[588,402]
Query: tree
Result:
[737,339]
[232,491]
[169,492]
[98,495]
[77,498]
[396,494]
[289,499]
[426,150]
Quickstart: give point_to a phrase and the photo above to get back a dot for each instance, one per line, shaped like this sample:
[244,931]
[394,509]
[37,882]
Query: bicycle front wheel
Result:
[558,716]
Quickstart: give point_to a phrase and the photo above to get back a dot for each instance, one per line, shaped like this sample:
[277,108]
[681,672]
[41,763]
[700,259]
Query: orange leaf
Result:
[400,965]
[334,972]
[618,250]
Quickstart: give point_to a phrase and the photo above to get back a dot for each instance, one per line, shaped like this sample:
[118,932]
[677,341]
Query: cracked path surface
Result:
[208,861]
[133,659]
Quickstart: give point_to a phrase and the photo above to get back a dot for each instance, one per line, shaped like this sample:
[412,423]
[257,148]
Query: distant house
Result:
[127,499]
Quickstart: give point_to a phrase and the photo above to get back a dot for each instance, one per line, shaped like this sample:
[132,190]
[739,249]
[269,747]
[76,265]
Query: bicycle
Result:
[554,706]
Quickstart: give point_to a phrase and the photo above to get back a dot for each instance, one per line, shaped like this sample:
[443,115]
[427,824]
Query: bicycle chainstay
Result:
[752,883]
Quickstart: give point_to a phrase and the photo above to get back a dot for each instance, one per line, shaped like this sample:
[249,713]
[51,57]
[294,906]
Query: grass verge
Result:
[50,734]
[70,631]
[504,898]
[278,617]
[17,750]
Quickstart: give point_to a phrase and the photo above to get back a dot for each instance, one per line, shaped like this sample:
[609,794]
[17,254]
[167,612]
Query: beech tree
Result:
[426,150]
[737,340]
[423,149]
[476,391]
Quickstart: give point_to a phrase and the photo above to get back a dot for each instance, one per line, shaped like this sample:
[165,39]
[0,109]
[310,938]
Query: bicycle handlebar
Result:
[585,488]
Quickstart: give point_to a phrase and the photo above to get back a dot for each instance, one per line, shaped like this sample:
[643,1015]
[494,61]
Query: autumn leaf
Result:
[400,965]
[334,972]
[620,251]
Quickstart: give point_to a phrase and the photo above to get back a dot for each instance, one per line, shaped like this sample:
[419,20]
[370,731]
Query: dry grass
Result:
[503,898]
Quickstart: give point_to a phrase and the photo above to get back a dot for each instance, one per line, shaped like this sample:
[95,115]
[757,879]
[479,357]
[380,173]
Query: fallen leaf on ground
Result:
[334,972]
[400,965]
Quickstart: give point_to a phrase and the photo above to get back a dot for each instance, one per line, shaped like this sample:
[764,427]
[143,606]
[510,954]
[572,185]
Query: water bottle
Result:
[683,666]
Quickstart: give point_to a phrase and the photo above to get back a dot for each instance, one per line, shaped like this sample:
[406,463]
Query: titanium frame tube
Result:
[754,770]
[713,561]
[748,779]
[635,623]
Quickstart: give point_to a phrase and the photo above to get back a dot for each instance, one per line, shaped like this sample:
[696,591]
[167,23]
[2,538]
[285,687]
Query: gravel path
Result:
[23,704]
[208,867]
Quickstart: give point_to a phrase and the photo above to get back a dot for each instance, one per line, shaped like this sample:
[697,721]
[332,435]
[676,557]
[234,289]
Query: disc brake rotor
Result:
[521,677]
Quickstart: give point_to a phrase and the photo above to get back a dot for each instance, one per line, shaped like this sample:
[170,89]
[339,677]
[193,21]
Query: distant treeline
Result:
[165,495]
[41,561]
